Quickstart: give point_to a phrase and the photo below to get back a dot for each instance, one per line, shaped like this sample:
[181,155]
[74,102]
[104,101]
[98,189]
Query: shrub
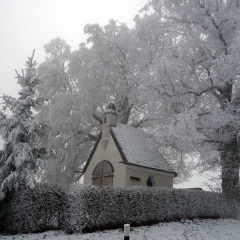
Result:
[34,210]
[90,208]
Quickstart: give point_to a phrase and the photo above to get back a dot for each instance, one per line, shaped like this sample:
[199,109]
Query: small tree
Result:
[21,156]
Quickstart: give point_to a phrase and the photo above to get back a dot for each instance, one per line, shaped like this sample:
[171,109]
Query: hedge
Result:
[35,210]
[90,208]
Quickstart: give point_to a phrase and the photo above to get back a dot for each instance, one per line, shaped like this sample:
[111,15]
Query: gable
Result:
[135,149]
[109,154]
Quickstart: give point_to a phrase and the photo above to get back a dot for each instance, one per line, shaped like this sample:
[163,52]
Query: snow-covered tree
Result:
[66,112]
[22,156]
[175,74]
[110,66]
[193,79]
[92,77]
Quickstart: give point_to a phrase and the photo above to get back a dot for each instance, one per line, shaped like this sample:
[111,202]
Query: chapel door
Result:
[103,174]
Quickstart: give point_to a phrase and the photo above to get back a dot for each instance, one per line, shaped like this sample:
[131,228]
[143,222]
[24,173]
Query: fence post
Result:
[126,231]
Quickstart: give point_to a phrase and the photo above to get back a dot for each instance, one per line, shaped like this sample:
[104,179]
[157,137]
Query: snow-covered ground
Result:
[221,229]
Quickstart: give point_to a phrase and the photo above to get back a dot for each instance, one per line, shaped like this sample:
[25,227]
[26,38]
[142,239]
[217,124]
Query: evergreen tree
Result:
[21,156]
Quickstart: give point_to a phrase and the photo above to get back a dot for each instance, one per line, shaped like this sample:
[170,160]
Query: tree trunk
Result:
[230,150]
[124,110]
[230,166]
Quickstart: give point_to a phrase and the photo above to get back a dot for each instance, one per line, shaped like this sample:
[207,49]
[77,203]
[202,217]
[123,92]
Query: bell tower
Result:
[109,119]
[110,115]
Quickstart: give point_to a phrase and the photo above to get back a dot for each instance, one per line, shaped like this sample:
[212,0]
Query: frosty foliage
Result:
[108,67]
[33,210]
[175,74]
[21,156]
[67,113]
[89,208]
[193,79]
[78,85]
[102,208]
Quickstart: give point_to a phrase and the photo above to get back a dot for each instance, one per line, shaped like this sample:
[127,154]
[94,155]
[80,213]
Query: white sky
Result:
[29,24]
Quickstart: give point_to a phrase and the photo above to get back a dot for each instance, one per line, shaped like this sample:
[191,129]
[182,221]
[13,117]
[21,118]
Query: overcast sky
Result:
[29,24]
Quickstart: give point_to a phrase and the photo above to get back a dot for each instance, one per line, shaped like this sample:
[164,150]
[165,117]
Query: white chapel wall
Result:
[112,155]
[162,179]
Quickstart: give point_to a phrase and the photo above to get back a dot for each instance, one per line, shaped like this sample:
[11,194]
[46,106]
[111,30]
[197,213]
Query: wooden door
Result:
[103,174]
[96,179]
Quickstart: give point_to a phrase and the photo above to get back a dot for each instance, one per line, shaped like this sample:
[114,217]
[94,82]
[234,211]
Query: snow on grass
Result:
[221,229]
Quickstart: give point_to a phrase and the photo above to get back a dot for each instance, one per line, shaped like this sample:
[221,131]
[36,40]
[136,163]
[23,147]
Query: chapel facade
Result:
[124,156]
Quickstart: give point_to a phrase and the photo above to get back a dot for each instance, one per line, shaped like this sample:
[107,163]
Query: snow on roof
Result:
[110,111]
[137,148]
[111,108]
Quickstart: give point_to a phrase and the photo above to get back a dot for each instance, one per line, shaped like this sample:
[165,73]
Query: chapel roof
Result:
[138,149]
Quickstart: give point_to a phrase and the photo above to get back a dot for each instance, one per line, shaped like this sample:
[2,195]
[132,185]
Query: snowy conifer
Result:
[21,155]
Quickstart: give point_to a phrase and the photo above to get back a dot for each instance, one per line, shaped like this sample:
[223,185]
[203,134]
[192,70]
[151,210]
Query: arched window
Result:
[151,182]
[103,174]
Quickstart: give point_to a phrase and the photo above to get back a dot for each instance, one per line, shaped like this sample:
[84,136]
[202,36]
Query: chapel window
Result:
[151,182]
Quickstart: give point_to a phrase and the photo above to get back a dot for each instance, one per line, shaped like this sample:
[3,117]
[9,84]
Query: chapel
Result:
[125,156]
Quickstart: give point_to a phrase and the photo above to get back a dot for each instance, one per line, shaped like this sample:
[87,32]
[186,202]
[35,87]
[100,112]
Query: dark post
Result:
[126,231]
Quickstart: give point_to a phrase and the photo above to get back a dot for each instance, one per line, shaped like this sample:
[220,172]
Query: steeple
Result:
[109,119]
[110,115]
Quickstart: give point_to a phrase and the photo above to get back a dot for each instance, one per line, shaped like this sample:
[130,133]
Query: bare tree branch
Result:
[91,136]
[99,119]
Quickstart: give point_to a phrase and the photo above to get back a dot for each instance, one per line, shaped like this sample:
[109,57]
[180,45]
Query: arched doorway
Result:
[151,182]
[103,174]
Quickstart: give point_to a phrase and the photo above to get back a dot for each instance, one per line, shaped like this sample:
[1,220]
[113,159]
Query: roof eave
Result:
[92,152]
[134,164]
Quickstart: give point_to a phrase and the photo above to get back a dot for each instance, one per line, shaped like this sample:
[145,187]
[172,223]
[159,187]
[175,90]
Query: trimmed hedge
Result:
[34,210]
[89,208]
[92,208]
